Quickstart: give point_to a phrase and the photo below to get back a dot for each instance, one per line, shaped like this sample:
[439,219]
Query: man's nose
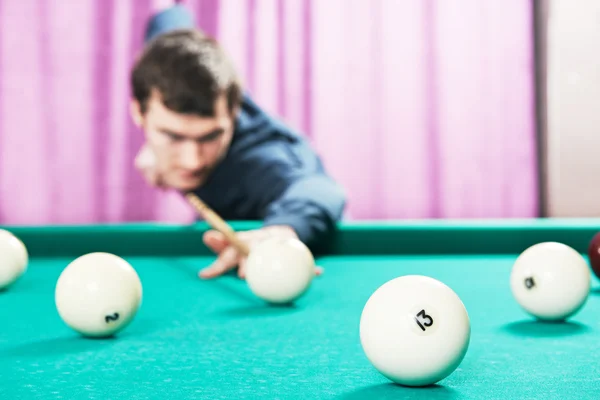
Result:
[191,156]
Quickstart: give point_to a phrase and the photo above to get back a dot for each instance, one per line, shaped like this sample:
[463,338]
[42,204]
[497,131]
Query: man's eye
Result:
[211,137]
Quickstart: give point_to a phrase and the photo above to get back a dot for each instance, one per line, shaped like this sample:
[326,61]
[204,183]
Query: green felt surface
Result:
[213,339]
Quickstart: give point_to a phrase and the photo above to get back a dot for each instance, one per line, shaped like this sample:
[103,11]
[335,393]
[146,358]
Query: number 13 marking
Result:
[425,317]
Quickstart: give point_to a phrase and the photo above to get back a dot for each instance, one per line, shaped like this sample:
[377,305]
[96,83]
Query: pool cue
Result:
[218,223]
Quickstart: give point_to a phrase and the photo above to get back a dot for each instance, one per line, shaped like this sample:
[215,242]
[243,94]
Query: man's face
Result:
[187,147]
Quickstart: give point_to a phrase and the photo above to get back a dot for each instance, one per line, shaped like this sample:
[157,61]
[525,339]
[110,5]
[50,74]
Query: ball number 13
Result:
[421,316]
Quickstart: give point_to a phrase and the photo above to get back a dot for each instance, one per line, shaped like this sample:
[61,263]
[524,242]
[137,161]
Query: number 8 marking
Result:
[426,317]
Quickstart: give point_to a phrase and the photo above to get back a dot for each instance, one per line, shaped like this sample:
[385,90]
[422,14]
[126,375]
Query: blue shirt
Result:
[270,172]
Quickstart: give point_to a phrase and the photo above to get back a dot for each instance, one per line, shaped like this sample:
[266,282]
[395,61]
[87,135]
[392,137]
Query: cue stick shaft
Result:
[218,223]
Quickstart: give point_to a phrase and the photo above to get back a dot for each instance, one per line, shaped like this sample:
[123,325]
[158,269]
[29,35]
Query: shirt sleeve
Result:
[289,193]
[172,18]
[311,205]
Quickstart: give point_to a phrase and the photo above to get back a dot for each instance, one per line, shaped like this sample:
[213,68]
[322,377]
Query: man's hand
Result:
[145,162]
[229,258]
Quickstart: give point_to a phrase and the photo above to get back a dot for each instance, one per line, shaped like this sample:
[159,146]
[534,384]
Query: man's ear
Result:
[136,113]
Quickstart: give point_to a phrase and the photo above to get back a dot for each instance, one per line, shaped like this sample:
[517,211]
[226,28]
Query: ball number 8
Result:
[529,282]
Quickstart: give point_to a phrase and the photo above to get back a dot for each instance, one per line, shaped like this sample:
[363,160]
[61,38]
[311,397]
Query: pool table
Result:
[214,339]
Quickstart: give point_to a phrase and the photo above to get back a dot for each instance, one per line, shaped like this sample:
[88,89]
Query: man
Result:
[204,135]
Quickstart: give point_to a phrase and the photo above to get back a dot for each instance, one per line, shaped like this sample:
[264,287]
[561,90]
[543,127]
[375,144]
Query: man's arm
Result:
[311,205]
[172,18]
[291,188]
[292,196]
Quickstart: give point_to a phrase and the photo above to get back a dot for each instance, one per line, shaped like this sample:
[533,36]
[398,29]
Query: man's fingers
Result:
[145,162]
[215,240]
[218,243]
[242,268]
[153,179]
[227,260]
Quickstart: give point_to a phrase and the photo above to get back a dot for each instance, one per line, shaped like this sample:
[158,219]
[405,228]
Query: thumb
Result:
[226,261]
[215,240]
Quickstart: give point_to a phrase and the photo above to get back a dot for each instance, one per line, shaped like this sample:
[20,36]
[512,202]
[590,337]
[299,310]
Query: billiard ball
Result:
[415,330]
[98,294]
[13,258]
[280,270]
[550,281]
[594,254]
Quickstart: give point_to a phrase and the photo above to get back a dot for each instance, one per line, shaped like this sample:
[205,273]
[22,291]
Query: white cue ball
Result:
[13,258]
[551,281]
[98,294]
[415,330]
[280,270]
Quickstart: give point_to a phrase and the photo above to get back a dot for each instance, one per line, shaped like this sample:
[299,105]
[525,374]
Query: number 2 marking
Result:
[426,317]
[110,318]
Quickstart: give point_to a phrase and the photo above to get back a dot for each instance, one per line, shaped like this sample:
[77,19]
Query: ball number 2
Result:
[423,320]
[111,318]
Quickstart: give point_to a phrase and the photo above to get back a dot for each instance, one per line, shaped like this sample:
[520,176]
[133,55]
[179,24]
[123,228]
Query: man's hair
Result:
[189,70]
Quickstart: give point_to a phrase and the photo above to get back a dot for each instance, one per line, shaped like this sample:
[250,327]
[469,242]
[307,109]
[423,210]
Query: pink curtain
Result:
[420,108]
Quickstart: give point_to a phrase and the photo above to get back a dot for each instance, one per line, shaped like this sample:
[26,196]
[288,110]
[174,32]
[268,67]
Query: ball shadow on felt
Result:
[59,346]
[538,328]
[394,391]
[595,291]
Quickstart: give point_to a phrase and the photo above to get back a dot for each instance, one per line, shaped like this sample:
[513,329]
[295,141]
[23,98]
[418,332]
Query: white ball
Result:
[550,281]
[415,330]
[280,270]
[98,294]
[13,258]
